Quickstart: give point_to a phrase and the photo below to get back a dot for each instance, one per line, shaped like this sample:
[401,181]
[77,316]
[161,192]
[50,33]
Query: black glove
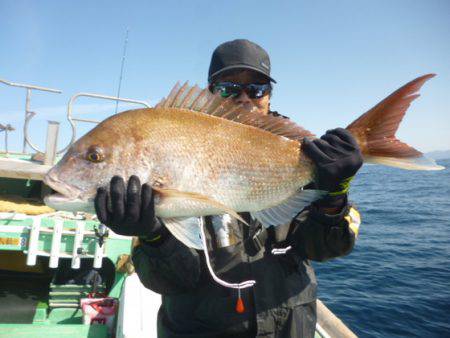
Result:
[337,158]
[130,213]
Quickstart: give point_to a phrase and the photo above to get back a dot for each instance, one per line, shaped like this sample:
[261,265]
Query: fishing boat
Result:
[65,274]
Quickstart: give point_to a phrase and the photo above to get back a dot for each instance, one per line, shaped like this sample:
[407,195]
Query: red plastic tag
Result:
[240,308]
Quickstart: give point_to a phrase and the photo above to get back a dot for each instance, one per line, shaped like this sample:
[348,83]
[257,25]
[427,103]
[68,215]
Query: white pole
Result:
[52,142]
[56,243]
[33,241]
[77,244]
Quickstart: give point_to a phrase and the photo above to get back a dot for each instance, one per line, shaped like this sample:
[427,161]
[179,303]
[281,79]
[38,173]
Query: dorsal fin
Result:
[202,100]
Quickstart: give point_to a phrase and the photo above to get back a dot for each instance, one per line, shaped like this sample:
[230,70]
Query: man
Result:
[282,302]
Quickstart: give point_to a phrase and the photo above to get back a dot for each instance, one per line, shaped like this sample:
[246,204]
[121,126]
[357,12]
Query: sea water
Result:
[396,282]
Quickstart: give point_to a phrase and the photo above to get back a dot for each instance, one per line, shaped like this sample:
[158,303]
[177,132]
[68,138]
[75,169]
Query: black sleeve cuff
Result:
[158,237]
[323,218]
[160,248]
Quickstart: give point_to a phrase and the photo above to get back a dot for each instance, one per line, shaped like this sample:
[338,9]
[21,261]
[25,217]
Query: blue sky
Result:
[333,60]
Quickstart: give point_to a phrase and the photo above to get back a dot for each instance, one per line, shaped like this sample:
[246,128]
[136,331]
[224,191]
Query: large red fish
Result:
[206,156]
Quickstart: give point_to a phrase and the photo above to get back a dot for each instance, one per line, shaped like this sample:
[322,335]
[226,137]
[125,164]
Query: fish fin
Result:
[186,230]
[203,101]
[375,131]
[415,163]
[165,102]
[287,210]
[172,193]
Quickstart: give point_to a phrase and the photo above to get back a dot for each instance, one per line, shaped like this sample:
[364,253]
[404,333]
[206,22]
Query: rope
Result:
[242,285]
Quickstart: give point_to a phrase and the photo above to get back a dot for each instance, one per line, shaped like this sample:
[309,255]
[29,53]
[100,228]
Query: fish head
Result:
[90,163]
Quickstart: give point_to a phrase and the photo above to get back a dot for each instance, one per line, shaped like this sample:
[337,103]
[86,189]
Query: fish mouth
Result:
[66,197]
[63,189]
[60,202]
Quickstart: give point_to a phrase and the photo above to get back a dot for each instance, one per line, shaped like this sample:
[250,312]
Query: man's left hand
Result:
[337,158]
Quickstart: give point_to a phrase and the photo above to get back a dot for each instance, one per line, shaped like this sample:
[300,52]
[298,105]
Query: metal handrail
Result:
[72,120]
[28,113]
[45,89]
[5,128]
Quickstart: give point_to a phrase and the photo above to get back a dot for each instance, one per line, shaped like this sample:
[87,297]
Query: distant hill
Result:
[439,154]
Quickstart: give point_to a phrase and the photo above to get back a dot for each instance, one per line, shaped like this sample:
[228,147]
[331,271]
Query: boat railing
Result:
[6,128]
[73,120]
[51,150]
[28,113]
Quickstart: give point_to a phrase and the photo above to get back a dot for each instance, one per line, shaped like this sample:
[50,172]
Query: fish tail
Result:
[375,131]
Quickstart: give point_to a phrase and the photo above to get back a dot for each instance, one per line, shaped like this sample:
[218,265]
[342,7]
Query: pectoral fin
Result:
[195,197]
[286,211]
[186,230]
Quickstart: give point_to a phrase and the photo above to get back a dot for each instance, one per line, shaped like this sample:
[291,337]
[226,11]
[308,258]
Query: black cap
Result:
[239,54]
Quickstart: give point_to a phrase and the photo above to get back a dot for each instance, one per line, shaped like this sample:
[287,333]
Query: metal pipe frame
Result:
[21,85]
[73,120]
[28,113]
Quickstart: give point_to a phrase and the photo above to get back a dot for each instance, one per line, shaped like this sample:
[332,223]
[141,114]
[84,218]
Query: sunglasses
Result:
[231,89]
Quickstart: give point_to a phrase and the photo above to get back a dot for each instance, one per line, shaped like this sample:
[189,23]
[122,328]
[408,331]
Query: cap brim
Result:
[239,67]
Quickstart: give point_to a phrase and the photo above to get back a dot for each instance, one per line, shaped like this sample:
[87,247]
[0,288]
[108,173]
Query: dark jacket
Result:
[280,304]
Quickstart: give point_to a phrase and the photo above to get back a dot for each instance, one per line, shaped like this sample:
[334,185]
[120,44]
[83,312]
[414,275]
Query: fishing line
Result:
[121,68]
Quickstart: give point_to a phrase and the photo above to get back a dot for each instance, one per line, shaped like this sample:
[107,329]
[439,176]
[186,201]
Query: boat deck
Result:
[21,166]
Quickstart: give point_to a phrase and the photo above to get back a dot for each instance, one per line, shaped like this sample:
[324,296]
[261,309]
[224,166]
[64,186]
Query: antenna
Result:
[121,68]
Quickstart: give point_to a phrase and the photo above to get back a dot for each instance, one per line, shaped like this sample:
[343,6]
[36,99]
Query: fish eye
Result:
[95,155]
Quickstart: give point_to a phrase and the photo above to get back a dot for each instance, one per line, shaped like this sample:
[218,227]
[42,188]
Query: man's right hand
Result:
[130,211]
